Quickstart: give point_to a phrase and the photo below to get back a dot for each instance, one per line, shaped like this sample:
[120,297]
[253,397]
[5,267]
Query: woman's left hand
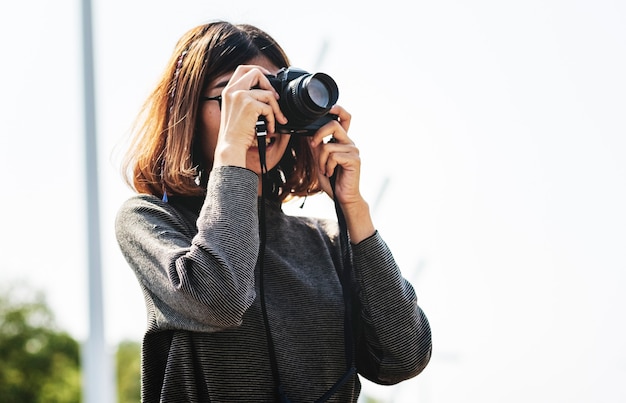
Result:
[341,156]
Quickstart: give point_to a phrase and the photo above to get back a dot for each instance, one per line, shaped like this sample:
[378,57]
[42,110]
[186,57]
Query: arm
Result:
[342,153]
[203,280]
[393,334]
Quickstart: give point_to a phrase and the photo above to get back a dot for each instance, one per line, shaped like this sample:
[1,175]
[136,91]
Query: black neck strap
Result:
[343,272]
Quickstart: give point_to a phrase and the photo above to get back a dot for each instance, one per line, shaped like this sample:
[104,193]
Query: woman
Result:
[244,302]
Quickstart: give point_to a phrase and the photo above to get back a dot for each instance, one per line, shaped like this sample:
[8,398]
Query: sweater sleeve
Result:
[394,338]
[204,280]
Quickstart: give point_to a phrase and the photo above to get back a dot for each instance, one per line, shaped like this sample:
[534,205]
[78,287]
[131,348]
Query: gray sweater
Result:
[196,263]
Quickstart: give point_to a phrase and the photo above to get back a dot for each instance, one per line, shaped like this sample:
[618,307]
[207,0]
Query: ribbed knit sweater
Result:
[196,260]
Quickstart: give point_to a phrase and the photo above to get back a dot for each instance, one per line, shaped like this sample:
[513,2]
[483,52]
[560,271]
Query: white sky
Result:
[498,127]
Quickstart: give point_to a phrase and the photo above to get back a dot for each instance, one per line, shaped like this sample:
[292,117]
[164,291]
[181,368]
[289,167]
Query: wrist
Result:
[358,220]
[229,155]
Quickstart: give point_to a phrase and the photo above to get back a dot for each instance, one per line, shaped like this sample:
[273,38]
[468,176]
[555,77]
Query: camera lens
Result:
[310,96]
[305,99]
[318,92]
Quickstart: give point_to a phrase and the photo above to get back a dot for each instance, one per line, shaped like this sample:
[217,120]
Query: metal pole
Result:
[97,379]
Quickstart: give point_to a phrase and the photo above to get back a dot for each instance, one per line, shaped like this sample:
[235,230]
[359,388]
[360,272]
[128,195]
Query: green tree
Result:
[128,362]
[38,362]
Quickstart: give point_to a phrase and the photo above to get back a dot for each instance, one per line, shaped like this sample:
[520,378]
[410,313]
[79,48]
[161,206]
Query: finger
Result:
[254,78]
[247,77]
[241,110]
[267,106]
[332,128]
[344,116]
[337,128]
[332,154]
[346,160]
[269,98]
[253,104]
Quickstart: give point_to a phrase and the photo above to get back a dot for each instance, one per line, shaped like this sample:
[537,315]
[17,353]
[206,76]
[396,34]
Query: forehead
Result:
[262,61]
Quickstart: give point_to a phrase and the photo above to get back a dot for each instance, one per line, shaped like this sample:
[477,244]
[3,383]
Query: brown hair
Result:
[161,156]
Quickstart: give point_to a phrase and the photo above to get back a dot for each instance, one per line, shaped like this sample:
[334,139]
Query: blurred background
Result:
[492,134]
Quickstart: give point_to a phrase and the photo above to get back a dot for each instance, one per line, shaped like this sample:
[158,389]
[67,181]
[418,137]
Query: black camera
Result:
[305,99]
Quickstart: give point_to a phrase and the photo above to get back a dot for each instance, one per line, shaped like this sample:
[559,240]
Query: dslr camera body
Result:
[305,99]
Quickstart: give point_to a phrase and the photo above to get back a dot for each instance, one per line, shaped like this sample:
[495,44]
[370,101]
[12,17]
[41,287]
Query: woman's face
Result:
[210,116]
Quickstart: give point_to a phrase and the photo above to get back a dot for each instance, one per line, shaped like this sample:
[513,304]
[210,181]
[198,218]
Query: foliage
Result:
[128,362]
[40,363]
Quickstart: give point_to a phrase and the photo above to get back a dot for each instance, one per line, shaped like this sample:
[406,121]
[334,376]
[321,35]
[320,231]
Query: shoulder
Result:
[144,210]
[140,200]
[138,205]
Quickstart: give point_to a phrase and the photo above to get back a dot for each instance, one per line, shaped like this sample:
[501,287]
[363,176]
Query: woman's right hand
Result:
[247,96]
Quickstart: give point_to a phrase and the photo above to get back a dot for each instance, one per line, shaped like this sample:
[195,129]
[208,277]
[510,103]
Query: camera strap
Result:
[344,273]
[261,133]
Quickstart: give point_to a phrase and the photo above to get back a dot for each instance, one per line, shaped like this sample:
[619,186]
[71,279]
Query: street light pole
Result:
[97,380]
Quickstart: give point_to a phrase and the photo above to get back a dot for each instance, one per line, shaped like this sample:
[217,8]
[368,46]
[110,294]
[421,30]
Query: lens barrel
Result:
[311,96]
[305,99]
